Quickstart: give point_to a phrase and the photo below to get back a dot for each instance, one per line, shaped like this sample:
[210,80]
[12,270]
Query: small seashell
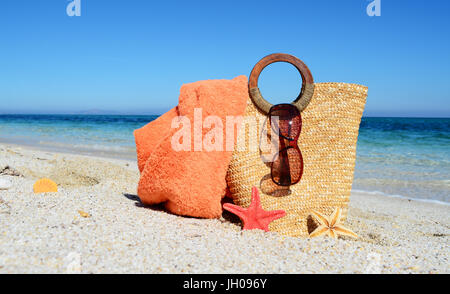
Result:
[44,186]
[5,184]
[83,214]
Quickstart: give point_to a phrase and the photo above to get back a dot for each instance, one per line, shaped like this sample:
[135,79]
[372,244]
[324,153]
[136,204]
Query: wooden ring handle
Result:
[307,85]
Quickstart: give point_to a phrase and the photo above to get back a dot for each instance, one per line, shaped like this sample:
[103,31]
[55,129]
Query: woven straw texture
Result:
[328,145]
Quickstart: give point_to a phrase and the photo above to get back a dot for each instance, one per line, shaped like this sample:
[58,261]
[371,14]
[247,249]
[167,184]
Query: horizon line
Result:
[159,114]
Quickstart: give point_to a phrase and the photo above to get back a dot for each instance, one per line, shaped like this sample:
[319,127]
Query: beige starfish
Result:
[331,225]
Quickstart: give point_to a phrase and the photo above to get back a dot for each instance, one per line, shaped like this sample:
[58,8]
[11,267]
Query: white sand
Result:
[45,233]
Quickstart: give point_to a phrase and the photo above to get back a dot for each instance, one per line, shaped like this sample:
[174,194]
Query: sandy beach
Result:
[95,223]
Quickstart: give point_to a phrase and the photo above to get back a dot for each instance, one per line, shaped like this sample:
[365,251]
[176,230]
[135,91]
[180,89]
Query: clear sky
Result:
[132,56]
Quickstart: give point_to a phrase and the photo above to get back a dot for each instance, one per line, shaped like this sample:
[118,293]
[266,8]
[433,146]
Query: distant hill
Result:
[97,111]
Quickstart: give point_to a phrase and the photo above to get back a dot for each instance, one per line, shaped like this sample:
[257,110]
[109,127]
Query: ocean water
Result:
[108,135]
[404,156]
[409,157]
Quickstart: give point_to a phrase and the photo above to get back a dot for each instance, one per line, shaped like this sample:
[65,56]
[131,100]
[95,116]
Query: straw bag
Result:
[331,114]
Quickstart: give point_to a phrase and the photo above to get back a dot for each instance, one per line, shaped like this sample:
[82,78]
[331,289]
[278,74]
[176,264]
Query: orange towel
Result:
[189,182]
[151,135]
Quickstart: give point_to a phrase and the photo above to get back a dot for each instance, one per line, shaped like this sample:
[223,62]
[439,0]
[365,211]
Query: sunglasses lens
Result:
[287,167]
[286,120]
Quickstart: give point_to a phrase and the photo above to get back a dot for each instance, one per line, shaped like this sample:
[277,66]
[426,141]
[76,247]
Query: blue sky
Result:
[132,56]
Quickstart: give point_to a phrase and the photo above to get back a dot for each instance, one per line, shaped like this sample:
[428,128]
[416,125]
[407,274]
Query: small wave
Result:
[94,147]
[402,197]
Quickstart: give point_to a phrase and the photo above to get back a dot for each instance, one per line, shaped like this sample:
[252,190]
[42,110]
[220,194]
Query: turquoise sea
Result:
[407,157]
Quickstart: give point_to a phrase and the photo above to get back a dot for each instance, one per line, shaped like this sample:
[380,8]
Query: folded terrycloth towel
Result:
[189,182]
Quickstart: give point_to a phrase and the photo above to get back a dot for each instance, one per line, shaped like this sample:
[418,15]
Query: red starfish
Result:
[254,217]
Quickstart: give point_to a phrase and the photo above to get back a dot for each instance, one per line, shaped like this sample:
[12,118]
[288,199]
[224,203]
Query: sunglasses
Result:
[287,165]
